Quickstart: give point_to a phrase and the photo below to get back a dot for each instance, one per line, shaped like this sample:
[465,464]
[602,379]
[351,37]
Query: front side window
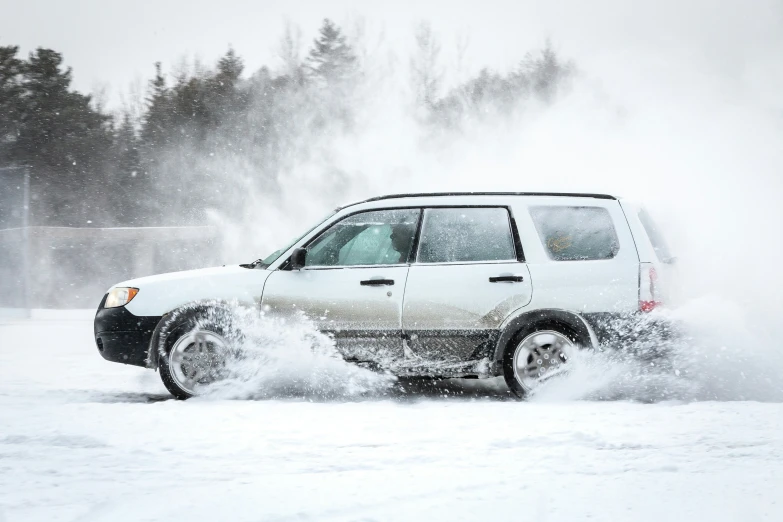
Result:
[378,237]
[451,235]
[576,233]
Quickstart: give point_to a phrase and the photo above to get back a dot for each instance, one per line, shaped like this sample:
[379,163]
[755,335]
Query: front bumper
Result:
[123,337]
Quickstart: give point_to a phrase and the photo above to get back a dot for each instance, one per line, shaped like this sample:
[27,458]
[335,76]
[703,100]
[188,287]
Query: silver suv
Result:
[440,285]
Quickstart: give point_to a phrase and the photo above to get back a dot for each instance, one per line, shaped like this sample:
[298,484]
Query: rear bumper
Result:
[123,337]
[623,330]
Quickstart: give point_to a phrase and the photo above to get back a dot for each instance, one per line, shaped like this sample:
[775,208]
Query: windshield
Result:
[271,258]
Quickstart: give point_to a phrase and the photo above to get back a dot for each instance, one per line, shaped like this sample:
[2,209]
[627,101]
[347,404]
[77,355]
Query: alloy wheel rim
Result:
[539,356]
[197,359]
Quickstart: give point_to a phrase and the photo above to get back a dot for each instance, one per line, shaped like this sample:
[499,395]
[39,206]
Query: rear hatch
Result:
[657,264]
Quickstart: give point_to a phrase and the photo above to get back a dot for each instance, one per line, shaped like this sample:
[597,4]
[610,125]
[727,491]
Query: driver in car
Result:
[401,240]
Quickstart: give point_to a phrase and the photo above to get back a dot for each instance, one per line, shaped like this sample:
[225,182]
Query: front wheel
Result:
[195,347]
[536,354]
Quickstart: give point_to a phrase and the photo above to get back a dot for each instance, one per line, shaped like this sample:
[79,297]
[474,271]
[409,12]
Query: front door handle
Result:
[377,282]
[506,279]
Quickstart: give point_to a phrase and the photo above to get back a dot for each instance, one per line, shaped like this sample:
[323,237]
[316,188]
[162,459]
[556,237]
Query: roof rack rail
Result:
[437,194]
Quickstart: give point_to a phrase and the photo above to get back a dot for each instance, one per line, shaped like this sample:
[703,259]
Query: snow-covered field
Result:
[83,439]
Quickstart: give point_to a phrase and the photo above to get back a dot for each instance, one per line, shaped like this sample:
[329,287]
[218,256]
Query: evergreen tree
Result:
[225,99]
[62,137]
[127,182]
[176,152]
[491,94]
[190,112]
[158,119]
[229,70]
[545,72]
[10,99]
[331,60]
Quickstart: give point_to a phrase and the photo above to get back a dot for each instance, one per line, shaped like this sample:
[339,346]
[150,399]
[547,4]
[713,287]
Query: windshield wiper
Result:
[253,264]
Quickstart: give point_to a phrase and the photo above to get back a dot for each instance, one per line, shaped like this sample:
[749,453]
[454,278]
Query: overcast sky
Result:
[114,43]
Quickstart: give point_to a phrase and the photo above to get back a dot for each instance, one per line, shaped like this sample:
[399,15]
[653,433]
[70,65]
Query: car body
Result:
[440,285]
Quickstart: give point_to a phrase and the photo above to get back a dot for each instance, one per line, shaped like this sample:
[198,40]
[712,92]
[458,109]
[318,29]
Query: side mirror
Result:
[298,258]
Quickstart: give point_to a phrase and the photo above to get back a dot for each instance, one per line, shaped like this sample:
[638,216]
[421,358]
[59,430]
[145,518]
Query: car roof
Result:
[438,194]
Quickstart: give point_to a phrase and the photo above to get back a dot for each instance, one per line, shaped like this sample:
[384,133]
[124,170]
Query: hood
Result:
[197,274]
[163,293]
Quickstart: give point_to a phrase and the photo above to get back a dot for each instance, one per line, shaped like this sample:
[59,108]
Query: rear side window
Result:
[451,235]
[576,233]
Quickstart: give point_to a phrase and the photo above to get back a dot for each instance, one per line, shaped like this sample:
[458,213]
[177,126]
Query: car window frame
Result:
[320,233]
[518,251]
[521,258]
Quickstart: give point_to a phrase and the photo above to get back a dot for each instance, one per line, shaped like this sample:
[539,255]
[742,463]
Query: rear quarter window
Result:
[656,239]
[576,233]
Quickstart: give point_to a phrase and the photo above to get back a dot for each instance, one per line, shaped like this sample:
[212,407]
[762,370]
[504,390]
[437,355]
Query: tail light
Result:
[649,299]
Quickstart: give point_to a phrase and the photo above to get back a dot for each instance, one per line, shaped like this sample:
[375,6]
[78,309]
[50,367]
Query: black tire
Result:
[508,353]
[215,319]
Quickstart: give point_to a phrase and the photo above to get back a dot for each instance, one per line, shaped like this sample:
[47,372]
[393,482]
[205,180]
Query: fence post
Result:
[26,242]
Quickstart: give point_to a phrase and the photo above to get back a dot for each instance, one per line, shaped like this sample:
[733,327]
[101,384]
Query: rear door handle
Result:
[506,279]
[377,282]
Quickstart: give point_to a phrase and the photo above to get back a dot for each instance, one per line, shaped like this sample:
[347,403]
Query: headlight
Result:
[120,297]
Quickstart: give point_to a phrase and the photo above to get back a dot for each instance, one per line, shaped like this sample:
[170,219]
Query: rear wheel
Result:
[536,354]
[195,347]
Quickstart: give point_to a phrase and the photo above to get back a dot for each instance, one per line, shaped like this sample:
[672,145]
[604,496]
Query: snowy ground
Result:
[83,439]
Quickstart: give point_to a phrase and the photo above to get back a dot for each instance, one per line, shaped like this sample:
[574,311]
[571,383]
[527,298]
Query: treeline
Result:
[202,137]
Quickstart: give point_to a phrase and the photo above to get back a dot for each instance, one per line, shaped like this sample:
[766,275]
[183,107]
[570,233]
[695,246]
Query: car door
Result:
[352,283]
[467,278]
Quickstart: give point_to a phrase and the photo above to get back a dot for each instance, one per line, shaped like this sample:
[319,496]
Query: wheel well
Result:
[153,354]
[571,320]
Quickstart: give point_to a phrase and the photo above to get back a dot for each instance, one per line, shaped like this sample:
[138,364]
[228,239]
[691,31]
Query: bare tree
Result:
[135,101]
[357,38]
[426,72]
[100,96]
[132,103]
[367,42]
[289,50]
[463,42]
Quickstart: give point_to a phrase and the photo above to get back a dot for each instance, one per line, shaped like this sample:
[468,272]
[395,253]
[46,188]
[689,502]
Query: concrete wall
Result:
[60,267]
